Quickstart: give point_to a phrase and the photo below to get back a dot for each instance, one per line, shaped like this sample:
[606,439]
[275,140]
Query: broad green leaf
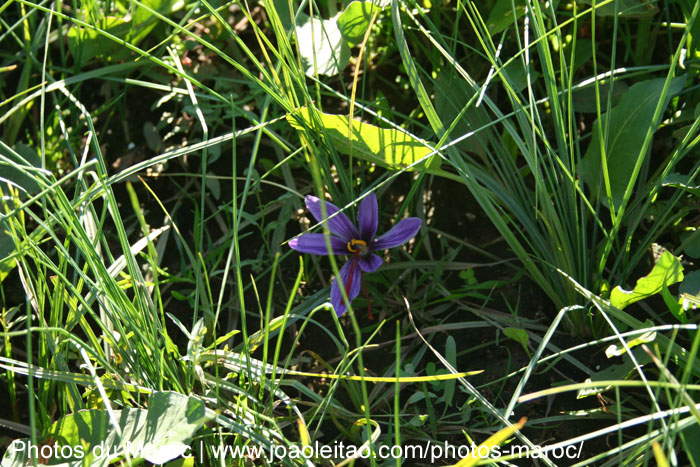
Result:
[691,284]
[409,64]
[27,159]
[86,44]
[625,8]
[627,123]
[691,243]
[584,98]
[689,296]
[144,21]
[7,247]
[354,21]
[615,350]
[158,434]
[281,9]
[451,357]
[213,185]
[516,75]
[502,15]
[321,42]
[683,182]
[689,438]
[582,53]
[666,271]
[518,335]
[388,148]
[181,462]
[693,41]
[675,305]
[152,135]
[452,93]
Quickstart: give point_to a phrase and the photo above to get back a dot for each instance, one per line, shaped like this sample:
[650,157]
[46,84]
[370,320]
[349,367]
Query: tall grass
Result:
[530,179]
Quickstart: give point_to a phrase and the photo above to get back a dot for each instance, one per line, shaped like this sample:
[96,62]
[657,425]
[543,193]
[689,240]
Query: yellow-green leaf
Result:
[304,435]
[659,455]
[494,440]
[518,335]
[666,271]
[389,148]
[615,350]
[354,21]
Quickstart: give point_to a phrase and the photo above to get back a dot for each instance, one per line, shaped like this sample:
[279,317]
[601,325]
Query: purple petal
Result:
[398,235]
[340,225]
[367,217]
[315,244]
[370,263]
[352,286]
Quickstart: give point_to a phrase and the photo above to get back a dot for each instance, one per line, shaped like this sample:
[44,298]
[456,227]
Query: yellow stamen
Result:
[354,242]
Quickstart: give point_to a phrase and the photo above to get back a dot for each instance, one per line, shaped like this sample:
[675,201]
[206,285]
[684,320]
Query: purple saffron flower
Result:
[348,240]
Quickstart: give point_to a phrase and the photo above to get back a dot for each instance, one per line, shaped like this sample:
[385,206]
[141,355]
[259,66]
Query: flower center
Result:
[357,246]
